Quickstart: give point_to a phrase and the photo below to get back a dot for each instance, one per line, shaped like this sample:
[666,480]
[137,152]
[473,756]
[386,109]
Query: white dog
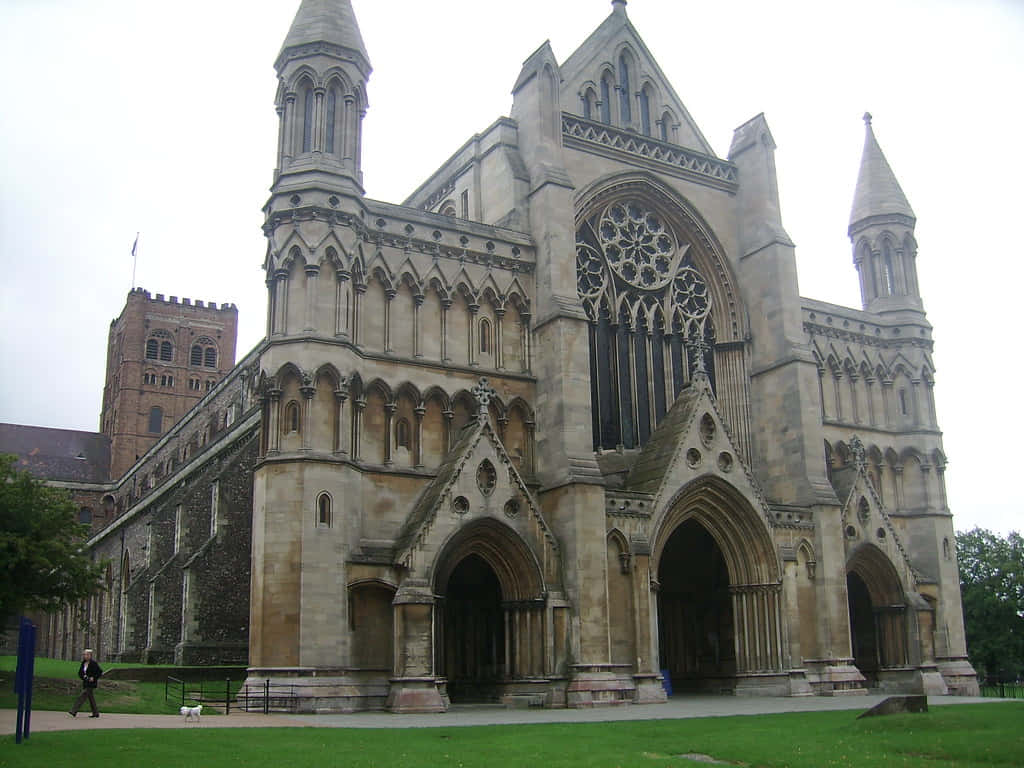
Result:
[192,713]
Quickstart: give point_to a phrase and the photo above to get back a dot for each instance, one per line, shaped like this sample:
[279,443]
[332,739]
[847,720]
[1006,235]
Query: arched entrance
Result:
[490,619]
[695,630]
[719,593]
[473,632]
[878,626]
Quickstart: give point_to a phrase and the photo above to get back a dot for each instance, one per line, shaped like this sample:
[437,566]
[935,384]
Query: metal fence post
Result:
[266,697]
[227,697]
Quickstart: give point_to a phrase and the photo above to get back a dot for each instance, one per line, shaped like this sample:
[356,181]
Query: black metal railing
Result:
[993,689]
[214,693]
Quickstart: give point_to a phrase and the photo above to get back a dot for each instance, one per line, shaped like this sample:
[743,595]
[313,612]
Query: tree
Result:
[42,563]
[992,586]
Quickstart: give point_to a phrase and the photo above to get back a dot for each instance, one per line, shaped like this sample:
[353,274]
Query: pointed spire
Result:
[326,21]
[878,193]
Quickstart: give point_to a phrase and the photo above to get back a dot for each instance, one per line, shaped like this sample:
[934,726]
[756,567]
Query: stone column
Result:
[417,325]
[307,392]
[340,315]
[524,336]
[312,272]
[340,396]
[449,417]
[418,447]
[274,420]
[348,135]
[289,129]
[318,119]
[414,684]
[474,333]
[357,312]
[499,355]
[271,301]
[358,406]
[898,472]
[281,302]
[446,304]
[390,294]
[647,679]
[389,418]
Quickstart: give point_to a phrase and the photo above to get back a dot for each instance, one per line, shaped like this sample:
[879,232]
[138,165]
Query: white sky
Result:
[121,116]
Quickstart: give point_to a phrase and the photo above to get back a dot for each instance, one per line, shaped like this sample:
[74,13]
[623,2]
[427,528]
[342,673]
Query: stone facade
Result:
[557,426]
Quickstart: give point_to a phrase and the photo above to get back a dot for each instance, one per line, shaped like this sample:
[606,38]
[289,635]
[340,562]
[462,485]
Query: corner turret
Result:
[882,232]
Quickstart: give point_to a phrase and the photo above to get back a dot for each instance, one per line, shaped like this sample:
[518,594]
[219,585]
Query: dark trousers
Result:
[85,694]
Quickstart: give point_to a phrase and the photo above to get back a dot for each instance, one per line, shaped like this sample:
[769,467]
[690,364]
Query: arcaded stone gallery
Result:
[555,428]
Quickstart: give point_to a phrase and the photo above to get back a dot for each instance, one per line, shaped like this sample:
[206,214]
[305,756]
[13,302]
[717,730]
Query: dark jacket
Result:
[91,675]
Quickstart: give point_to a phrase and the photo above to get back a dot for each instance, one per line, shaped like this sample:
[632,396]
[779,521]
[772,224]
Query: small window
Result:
[210,357]
[291,417]
[210,385]
[152,349]
[485,336]
[177,528]
[465,204]
[606,101]
[402,434]
[332,109]
[323,510]
[196,357]
[194,384]
[85,515]
[903,402]
[645,112]
[156,420]
[214,507]
[307,123]
[166,351]
[166,381]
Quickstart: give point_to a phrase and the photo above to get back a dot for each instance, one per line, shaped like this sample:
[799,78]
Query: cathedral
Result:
[557,430]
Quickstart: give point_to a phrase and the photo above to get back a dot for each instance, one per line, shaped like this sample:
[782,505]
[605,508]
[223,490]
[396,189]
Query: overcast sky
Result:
[122,116]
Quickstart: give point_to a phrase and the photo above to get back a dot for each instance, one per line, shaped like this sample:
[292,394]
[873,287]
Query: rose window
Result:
[637,245]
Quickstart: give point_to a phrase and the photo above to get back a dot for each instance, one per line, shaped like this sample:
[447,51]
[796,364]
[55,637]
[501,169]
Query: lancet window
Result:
[650,325]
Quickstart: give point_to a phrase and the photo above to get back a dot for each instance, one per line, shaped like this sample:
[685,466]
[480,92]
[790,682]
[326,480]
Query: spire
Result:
[326,21]
[878,193]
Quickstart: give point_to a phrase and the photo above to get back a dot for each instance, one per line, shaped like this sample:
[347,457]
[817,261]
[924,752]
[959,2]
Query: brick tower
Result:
[163,355]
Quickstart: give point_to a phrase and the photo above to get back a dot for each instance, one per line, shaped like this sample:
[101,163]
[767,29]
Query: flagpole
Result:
[135,258]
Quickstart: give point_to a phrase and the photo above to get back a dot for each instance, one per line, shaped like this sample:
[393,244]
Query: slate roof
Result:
[653,463]
[326,21]
[431,495]
[878,192]
[58,454]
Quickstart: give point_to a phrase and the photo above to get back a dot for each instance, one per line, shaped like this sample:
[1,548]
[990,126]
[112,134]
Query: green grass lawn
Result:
[56,686]
[965,735]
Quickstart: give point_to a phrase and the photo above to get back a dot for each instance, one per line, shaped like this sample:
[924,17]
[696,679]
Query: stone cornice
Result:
[866,339]
[509,258]
[591,136]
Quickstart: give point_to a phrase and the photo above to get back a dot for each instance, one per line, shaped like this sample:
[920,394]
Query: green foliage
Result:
[958,735]
[992,585]
[42,565]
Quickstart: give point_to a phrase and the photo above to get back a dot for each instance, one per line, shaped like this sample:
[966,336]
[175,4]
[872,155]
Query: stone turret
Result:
[882,233]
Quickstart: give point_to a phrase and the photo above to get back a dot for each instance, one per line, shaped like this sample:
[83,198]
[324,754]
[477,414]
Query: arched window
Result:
[308,100]
[645,111]
[196,357]
[85,515]
[159,346]
[194,384]
[606,100]
[332,110]
[403,435]
[890,275]
[588,103]
[485,336]
[323,510]
[291,417]
[210,357]
[625,107]
[156,420]
[203,353]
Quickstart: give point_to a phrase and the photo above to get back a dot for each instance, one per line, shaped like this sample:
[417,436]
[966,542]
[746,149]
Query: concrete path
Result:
[679,707]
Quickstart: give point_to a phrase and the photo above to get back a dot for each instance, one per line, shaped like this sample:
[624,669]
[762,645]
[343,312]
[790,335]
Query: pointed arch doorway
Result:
[878,614]
[719,592]
[491,619]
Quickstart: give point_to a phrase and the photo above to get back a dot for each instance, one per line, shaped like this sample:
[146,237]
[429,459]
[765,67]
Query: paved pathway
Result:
[678,708]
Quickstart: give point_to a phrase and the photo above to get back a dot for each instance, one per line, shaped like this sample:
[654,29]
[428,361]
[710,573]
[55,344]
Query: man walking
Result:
[90,673]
